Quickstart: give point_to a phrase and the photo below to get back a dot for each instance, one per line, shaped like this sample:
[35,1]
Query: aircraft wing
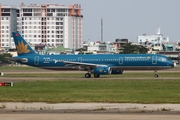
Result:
[84,64]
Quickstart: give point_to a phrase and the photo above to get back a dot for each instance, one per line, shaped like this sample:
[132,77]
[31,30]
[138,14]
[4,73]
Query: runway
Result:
[79,116]
[20,79]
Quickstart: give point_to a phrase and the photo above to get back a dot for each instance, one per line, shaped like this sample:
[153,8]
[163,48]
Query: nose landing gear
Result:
[155,74]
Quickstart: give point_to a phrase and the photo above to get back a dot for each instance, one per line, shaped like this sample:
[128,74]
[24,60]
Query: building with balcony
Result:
[97,46]
[153,41]
[119,43]
[49,24]
[8,23]
[53,24]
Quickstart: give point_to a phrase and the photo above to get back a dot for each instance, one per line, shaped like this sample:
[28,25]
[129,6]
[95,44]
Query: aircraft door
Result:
[80,59]
[36,60]
[154,59]
[120,60]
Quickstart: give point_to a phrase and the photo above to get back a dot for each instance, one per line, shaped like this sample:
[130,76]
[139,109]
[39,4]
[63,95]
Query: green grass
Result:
[112,91]
[55,75]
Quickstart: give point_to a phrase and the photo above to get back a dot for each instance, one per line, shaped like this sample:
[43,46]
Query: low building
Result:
[178,46]
[111,48]
[97,46]
[154,41]
[119,43]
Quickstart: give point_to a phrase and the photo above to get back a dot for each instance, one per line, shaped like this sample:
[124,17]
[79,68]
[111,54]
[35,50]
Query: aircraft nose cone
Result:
[173,64]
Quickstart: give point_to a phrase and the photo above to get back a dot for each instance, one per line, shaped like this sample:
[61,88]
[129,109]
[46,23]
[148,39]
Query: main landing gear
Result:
[96,75]
[155,74]
[88,75]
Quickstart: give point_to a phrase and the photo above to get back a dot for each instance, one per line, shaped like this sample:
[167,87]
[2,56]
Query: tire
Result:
[156,76]
[87,75]
[96,75]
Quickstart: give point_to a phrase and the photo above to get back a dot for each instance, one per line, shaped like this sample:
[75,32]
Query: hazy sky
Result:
[123,18]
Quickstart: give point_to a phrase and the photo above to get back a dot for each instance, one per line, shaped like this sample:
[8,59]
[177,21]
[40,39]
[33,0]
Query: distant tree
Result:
[142,49]
[164,48]
[81,49]
[128,48]
[3,57]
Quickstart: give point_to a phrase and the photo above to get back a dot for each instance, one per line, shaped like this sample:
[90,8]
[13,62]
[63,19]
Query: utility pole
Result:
[179,58]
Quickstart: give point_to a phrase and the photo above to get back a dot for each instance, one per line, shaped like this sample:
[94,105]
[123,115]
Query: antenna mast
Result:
[101,29]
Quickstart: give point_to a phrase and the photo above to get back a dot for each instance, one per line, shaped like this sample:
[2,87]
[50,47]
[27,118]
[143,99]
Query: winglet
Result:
[22,46]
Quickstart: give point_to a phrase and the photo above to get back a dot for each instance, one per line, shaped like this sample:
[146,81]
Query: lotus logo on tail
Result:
[21,48]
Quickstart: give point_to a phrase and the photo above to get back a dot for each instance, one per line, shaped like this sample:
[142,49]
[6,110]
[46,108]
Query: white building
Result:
[154,41]
[97,46]
[51,24]
[8,23]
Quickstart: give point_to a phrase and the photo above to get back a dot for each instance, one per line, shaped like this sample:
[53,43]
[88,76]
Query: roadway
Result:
[89,111]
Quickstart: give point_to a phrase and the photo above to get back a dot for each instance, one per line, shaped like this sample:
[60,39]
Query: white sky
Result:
[123,18]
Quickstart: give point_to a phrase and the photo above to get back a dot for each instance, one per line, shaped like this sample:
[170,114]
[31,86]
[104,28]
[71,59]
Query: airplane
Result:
[98,64]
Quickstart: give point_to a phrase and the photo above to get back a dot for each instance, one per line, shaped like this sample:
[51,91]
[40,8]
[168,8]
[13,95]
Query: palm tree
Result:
[164,48]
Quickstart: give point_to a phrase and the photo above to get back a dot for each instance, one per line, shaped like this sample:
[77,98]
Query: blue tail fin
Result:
[23,48]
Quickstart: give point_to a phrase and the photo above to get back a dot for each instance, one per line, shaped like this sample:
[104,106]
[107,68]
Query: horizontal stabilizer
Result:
[17,59]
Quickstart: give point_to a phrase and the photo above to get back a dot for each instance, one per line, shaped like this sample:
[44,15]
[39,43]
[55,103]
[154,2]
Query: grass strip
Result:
[111,91]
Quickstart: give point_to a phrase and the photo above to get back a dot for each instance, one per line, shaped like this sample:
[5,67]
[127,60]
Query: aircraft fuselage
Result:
[115,61]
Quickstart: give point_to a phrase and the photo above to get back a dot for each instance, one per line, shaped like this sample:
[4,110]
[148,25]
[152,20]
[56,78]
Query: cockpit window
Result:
[164,59]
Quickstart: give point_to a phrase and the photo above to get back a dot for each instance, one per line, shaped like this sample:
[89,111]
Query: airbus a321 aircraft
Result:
[102,64]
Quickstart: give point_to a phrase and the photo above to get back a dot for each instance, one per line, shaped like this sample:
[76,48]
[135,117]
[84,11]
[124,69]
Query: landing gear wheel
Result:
[156,76]
[87,75]
[96,75]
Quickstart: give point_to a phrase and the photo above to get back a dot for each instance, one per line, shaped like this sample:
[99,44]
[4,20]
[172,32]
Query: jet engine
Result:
[102,70]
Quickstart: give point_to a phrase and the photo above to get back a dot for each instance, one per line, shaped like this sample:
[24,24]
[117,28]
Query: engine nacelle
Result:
[117,71]
[102,70]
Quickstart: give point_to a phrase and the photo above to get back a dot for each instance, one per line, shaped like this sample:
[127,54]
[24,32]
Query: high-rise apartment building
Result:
[8,23]
[50,24]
